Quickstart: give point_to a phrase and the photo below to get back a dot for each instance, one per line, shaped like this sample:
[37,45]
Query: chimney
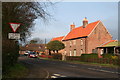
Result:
[85,22]
[72,26]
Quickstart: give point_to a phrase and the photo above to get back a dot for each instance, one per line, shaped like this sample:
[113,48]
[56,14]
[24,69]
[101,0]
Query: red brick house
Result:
[85,39]
[32,47]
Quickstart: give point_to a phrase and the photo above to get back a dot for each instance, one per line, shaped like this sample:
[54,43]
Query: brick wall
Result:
[75,46]
[99,36]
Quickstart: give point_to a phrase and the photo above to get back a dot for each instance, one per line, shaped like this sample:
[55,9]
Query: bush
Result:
[73,57]
[108,55]
[57,56]
[114,57]
[10,53]
[89,57]
[86,56]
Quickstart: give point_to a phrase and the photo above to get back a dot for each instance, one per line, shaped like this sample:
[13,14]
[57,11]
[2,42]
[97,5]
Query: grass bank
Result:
[85,63]
[96,64]
[16,71]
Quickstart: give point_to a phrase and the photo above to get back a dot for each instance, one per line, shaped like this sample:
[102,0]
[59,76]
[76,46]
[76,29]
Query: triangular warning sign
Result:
[14,26]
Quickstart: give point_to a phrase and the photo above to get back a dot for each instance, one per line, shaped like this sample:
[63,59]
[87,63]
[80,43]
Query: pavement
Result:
[40,68]
[35,71]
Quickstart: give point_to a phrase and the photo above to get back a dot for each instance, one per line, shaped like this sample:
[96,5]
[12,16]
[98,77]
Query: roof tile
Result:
[58,38]
[80,31]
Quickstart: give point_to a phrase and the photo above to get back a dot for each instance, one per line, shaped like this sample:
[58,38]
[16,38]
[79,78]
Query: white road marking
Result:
[47,73]
[63,76]
[103,70]
[57,76]
[53,77]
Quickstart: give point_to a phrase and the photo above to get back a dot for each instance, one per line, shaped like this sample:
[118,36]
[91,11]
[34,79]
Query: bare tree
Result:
[36,41]
[18,12]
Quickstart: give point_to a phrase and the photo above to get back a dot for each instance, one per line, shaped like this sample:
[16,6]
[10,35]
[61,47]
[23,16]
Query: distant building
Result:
[84,39]
[32,47]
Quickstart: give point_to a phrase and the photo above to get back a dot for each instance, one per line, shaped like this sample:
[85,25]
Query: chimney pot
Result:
[85,22]
[72,26]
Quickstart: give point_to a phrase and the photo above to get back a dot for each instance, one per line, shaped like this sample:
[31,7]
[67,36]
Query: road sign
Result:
[14,26]
[14,36]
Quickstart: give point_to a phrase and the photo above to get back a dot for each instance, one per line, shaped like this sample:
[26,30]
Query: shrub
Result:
[89,57]
[93,55]
[73,57]
[114,57]
[10,53]
[108,55]
[57,56]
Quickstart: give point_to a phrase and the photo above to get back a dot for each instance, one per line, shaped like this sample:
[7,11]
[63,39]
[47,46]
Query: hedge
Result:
[93,58]
[57,56]
[10,53]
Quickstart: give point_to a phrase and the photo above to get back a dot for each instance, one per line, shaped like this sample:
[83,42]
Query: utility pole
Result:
[45,47]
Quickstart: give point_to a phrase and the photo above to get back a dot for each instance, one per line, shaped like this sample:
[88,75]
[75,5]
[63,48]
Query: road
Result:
[61,69]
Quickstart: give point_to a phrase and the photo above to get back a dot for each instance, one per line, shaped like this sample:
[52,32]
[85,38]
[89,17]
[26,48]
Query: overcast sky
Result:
[65,13]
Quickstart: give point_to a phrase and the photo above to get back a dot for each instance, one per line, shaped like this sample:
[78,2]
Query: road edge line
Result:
[47,73]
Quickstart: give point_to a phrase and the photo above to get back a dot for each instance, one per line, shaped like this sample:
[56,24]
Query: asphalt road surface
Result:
[41,68]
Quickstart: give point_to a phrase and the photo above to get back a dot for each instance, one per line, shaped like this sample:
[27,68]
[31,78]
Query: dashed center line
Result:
[103,70]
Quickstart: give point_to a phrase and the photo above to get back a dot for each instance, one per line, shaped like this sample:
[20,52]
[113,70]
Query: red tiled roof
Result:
[58,38]
[80,31]
[35,47]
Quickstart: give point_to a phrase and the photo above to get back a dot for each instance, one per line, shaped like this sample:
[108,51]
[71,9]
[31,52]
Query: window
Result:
[81,42]
[65,43]
[65,53]
[74,42]
[70,43]
[81,51]
[70,53]
[74,52]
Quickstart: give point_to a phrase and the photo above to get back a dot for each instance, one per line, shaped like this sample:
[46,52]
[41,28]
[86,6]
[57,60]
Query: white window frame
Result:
[70,43]
[81,51]
[65,52]
[81,42]
[65,43]
[70,53]
[74,42]
[74,52]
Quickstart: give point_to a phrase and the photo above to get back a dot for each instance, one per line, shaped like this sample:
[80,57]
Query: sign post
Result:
[14,36]
[14,27]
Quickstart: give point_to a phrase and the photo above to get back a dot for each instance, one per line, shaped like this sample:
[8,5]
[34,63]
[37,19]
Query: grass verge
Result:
[95,64]
[16,71]
[85,63]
